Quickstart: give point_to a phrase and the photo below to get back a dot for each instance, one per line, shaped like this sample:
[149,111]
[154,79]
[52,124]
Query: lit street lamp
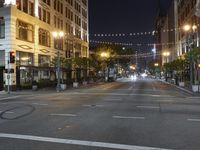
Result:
[190,29]
[156,64]
[104,56]
[58,36]
[166,55]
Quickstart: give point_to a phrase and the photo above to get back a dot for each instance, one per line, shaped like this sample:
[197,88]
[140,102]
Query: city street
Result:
[130,115]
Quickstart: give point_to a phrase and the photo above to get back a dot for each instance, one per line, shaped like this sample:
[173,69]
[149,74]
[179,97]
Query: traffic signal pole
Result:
[8,76]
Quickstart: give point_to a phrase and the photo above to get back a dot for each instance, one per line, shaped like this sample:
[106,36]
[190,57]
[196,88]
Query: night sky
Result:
[124,16]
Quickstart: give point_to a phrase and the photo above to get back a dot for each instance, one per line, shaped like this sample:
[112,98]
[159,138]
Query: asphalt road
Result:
[129,115]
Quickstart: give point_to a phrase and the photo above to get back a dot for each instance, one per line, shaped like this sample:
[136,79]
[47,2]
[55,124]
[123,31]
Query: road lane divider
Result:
[40,104]
[194,120]
[8,112]
[64,115]
[77,142]
[128,117]
[10,97]
[93,105]
[113,99]
[149,107]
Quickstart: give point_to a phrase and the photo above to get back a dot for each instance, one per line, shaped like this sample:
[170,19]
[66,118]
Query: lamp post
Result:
[157,69]
[166,55]
[190,29]
[58,36]
[104,56]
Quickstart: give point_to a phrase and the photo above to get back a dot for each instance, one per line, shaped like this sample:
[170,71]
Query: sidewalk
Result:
[4,94]
[185,89]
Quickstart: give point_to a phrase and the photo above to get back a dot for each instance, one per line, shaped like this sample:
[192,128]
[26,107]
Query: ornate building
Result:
[26,28]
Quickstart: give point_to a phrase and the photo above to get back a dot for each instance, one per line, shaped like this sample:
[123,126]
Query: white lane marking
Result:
[3,103]
[41,104]
[130,87]
[77,142]
[124,117]
[194,120]
[8,112]
[92,105]
[149,107]
[11,97]
[64,115]
[113,99]
[193,97]
[124,94]
[108,87]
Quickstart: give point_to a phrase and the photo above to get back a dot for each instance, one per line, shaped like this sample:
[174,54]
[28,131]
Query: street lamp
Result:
[104,56]
[156,64]
[58,36]
[166,55]
[190,29]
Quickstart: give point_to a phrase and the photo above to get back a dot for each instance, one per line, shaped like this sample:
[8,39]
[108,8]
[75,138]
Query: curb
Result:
[183,89]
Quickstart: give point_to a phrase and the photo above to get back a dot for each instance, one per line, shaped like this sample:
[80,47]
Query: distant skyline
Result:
[124,16]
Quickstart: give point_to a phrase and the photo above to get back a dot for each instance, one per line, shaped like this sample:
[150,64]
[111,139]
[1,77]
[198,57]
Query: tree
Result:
[118,55]
[106,60]
[76,62]
[85,65]
[179,65]
[192,59]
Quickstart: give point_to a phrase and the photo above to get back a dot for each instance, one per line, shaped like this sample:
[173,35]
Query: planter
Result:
[34,87]
[75,84]
[195,88]
[63,86]
[181,84]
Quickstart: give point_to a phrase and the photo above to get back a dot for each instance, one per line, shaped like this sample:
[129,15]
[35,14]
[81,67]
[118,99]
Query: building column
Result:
[10,37]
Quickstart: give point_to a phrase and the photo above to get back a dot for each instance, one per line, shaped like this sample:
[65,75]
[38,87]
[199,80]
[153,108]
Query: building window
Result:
[84,13]
[77,7]
[69,49]
[84,51]
[24,31]
[19,4]
[2,27]
[25,6]
[40,13]
[68,14]
[2,57]
[48,17]
[77,33]
[69,2]
[47,2]
[77,20]
[24,58]
[44,15]
[31,8]
[58,43]
[84,2]
[44,60]
[44,37]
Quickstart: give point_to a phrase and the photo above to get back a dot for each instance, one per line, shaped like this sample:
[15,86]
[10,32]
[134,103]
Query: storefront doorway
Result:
[1,78]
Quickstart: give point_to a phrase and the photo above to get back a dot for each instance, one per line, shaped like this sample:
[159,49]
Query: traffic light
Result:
[12,57]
